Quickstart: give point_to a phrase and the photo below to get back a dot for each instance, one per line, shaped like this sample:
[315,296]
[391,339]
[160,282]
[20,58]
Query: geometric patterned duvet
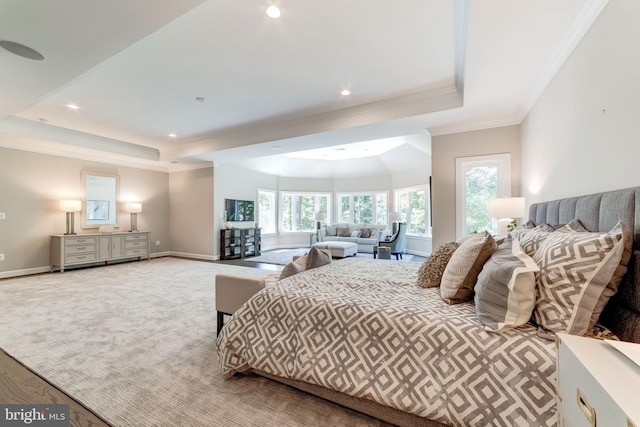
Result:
[363,327]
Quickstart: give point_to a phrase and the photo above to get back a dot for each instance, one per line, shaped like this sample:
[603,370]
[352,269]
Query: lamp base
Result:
[134,223]
[503,226]
[70,230]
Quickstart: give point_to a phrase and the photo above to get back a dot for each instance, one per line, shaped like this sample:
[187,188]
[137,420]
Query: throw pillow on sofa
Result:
[505,293]
[366,233]
[332,230]
[343,232]
[431,270]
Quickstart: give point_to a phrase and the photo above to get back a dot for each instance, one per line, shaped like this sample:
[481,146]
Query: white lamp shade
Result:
[318,216]
[395,216]
[70,205]
[133,207]
[506,207]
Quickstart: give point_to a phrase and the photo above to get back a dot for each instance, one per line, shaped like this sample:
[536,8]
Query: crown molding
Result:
[475,125]
[580,23]
[42,131]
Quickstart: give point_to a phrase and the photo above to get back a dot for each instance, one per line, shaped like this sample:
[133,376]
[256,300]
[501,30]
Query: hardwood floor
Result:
[21,386]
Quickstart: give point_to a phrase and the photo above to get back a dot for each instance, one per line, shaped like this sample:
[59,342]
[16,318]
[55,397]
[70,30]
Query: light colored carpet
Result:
[135,343]
[284,256]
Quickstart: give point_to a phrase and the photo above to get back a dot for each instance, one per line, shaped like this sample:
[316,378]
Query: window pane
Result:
[267,211]
[418,212]
[345,208]
[287,212]
[363,209]
[298,211]
[481,185]
[381,209]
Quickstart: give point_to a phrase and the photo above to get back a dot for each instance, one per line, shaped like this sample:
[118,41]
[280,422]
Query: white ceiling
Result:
[135,68]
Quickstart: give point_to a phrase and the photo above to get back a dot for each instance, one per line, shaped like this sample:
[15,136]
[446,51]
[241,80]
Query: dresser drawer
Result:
[135,251]
[80,240]
[80,249]
[135,245]
[136,238]
[80,258]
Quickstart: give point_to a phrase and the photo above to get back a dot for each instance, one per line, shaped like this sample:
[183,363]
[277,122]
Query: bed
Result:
[360,332]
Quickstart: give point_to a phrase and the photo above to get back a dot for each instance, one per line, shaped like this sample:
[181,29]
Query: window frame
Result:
[316,194]
[274,213]
[407,219]
[503,163]
[374,195]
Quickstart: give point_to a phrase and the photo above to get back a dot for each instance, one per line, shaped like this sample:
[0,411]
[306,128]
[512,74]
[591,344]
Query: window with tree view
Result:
[368,208]
[413,206]
[297,210]
[267,211]
[478,180]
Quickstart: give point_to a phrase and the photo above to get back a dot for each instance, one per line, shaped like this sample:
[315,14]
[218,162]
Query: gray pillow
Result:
[505,293]
[295,267]
[318,257]
[366,233]
[332,230]
[343,232]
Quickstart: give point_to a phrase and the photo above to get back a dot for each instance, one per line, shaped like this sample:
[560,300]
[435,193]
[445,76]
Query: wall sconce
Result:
[133,208]
[70,207]
[506,210]
[318,217]
[395,218]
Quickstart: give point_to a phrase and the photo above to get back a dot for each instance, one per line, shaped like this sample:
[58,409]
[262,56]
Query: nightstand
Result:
[596,384]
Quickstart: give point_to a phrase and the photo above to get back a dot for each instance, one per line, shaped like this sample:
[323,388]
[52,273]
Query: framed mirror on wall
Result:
[100,203]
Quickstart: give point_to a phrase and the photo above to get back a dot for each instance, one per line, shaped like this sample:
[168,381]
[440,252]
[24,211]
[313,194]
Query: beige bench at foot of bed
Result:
[339,249]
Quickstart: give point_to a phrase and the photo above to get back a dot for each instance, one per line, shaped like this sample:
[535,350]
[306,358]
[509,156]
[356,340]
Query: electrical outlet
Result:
[1,257]
[2,215]
[157,242]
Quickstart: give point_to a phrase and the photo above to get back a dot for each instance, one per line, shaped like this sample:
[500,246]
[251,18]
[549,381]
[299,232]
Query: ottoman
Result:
[339,249]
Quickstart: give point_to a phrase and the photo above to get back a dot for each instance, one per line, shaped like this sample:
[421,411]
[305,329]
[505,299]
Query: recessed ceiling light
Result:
[73,107]
[200,99]
[172,135]
[42,120]
[345,92]
[21,50]
[273,12]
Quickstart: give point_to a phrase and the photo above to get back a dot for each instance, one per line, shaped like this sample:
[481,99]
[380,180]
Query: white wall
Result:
[445,149]
[581,136]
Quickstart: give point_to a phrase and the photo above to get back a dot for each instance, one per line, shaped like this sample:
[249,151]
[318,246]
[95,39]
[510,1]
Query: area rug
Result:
[135,343]
[284,256]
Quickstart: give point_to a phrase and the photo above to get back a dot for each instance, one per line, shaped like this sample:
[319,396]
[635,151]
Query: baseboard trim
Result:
[24,272]
[192,256]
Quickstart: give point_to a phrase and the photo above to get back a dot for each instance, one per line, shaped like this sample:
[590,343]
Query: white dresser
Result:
[68,250]
[597,385]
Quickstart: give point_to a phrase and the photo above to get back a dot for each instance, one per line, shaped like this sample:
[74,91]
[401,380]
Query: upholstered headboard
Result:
[601,212]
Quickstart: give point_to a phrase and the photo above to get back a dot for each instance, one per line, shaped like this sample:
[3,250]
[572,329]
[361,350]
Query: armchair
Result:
[396,244]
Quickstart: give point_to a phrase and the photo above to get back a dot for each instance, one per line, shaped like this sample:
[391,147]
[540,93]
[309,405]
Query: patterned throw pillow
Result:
[462,271]
[532,239]
[579,272]
[356,233]
[366,233]
[505,292]
[343,232]
[430,273]
[520,230]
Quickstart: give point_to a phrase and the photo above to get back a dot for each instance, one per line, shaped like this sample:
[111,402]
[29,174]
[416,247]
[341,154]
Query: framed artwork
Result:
[98,209]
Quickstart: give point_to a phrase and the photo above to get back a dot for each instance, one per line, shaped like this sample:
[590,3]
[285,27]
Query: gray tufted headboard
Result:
[601,212]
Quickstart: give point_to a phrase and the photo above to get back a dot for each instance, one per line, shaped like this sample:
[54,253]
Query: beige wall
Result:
[581,136]
[191,222]
[31,185]
[445,149]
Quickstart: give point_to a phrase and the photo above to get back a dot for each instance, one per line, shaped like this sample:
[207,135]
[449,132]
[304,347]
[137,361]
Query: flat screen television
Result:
[238,210]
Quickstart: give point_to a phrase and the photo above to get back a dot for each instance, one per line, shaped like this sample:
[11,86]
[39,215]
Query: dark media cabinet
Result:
[239,243]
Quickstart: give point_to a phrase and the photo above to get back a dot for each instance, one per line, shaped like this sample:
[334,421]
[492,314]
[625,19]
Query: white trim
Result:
[192,256]
[25,272]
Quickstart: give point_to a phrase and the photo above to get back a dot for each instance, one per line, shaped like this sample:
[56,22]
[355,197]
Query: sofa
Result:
[366,236]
